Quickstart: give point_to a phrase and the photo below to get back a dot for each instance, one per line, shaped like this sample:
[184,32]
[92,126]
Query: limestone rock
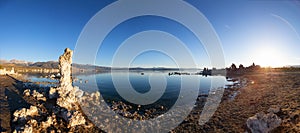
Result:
[51,120]
[4,71]
[65,113]
[26,92]
[65,62]
[23,113]
[263,123]
[31,126]
[91,98]
[78,93]
[69,102]
[53,93]
[28,129]
[67,93]
[77,119]
[38,95]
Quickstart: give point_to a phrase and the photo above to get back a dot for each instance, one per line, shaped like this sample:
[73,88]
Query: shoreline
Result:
[265,90]
[262,91]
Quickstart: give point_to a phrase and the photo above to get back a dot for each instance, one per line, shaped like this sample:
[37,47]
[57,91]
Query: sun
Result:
[268,57]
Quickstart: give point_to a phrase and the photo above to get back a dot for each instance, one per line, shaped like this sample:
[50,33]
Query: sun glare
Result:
[268,57]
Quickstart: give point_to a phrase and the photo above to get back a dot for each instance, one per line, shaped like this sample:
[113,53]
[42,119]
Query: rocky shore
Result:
[268,102]
[53,109]
[260,102]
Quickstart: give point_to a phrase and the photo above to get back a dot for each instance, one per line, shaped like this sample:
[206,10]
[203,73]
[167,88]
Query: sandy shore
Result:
[261,92]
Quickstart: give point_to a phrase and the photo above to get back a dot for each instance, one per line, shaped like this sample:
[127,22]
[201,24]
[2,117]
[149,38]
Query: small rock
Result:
[77,119]
[78,93]
[26,92]
[263,123]
[23,113]
[53,93]
[162,107]
[38,96]
[51,120]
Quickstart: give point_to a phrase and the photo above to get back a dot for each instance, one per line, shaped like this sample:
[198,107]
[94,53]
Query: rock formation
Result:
[65,62]
[38,96]
[67,93]
[264,123]
[4,71]
[53,94]
[24,113]
[62,115]
[26,92]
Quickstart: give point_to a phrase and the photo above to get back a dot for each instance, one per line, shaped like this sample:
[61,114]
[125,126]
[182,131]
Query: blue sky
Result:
[264,32]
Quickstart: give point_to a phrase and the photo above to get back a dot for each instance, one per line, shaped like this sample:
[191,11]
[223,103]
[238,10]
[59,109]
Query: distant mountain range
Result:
[76,67]
[51,65]
[48,64]
[295,66]
[14,61]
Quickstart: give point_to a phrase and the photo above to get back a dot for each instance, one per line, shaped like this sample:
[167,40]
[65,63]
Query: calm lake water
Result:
[141,83]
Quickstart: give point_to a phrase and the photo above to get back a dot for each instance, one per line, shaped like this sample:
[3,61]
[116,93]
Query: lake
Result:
[166,87]
[140,83]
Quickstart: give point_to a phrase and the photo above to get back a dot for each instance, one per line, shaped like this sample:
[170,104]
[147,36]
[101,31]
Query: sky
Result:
[264,32]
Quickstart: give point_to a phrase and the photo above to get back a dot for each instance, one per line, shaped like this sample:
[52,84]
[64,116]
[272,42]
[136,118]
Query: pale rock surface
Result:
[23,113]
[38,95]
[66,109]
[263,123]
[31,126]
[65,62]
[26,92]
[77,119]
[78,93]
[53,93]
[4,71]
[51,120]
[66,91]
[90,99]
